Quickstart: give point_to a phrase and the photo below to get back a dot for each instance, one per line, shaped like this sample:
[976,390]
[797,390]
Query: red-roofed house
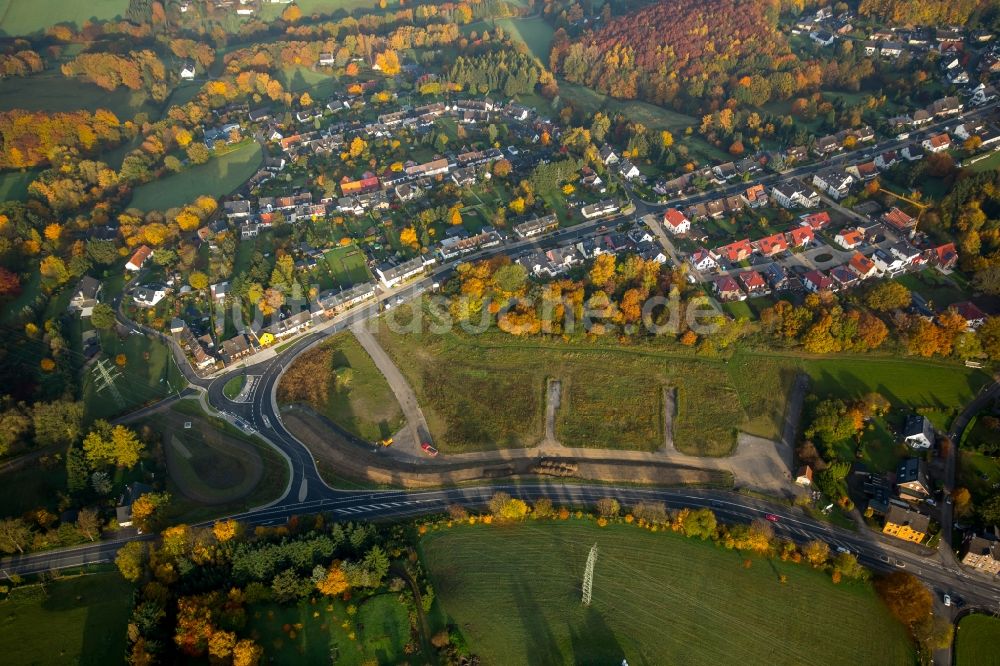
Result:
[937,143]
[367,183]
[772,245]
[898,219]
[728,290]
[815,281]
[756,196]
[970,312]
[675,222]
[816,221]
[753,282]
[849,238]
[944,256]
[139,258]
[734,252]
[862,265]
[801,236]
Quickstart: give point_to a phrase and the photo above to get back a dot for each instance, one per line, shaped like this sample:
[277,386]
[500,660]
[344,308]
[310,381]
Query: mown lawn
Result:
[978,473]
[976,641]
[81,620]
[51,91]
[218,177]
[904,382]
[347,265]
[658,598]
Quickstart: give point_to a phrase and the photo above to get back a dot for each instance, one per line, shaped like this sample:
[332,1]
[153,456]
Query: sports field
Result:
[218,177]
[976,641]
[658,598]
[80,620]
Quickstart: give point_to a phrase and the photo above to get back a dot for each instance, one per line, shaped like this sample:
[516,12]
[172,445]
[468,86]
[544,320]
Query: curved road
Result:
[308,493]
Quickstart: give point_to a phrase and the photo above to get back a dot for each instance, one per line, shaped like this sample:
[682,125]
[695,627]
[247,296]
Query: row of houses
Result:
[558,261]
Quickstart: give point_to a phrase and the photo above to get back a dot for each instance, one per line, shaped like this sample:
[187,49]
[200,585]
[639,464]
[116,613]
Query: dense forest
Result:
[683,49]
[925,12]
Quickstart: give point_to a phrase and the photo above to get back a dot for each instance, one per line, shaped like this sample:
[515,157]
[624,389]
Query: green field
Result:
[939,290]
[990,163]
[82,620]
[23,17]
[325,632]
[658,598]
[14,185]
[535,32]
[904,382]
[218,177]
[30,488]
[650,115]
[363,405]
[234,386]
[51,91]
[347,265]
[487,391]
[300,79]
[976,641]
[309,7]
[149,374]
[978,473]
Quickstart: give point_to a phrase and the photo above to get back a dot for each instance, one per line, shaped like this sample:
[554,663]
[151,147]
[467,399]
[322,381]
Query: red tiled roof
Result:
[674,217]
[801,235]
[861,264]
[752,280]
[898,219]
[817,220]
[771,244]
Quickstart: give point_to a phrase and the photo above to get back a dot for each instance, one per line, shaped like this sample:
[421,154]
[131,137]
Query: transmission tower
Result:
[588,575]
[105,377]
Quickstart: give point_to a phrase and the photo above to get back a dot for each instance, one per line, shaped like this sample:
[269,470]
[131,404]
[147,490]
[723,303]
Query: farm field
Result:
[376,634]
[300,79]
[81,620]
[23,17]
[976,641]
[487,392]
[659,598]
[361,402]
[217,177]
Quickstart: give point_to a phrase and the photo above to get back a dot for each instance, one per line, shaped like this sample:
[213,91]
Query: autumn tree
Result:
[291,14]
[334,582]
[112,445]
[226,530]
[88,524]
[144,508]
[247,653]
[130,560]
[887,296]
[102,317]
[198,280]
[906,597]
[504,507]
[816,553]
[15,535]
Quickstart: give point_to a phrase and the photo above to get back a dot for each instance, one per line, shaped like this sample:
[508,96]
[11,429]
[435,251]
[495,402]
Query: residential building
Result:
[139,257]
[675,222]
[332,303]
[843,278]
[970,312]
[918,432]
[599,209]
[944,256]
[237,347]
[627,170]
[85,296]
[772,245]
[816,281]
[148,296]
[937,143]
[816,221]
[133,491]
[753,282]
[537,226]
[801,237]
[789,194]
[862,266]
[913,152]
[391,275]
[290,325]
[982,554]
[849,238]
[835,182]
[906,524]
[899,220]
[728,290]
[776,276]
[735,252]
[703,260]
[911,479]
[804,477]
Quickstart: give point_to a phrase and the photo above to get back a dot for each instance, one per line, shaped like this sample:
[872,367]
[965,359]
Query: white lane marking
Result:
[303,490]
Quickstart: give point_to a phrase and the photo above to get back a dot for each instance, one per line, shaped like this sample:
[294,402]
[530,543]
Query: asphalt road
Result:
[307,493]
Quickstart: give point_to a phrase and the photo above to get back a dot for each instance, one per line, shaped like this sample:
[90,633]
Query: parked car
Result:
[947,600]
[428,449]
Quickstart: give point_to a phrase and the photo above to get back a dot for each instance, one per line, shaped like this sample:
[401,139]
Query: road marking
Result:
[303,490]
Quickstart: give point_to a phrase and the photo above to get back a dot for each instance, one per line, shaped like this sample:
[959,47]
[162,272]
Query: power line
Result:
[588,575]
[104,378]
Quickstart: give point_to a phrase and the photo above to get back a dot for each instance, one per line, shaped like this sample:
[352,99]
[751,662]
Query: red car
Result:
[773,518]
[428,449]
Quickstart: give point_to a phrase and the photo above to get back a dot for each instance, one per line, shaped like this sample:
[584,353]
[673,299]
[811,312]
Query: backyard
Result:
[218,177]
[72,620]
[347,266]
[658,598]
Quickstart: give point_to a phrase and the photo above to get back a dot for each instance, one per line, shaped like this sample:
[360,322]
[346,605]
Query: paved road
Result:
[308,493]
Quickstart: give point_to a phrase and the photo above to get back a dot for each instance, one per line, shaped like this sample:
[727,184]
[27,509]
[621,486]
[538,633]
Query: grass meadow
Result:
[976,641]
[658,598]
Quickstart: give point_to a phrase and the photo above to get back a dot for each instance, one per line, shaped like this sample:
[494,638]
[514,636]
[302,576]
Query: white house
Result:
[149,296]
[675,222]
[188,70]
